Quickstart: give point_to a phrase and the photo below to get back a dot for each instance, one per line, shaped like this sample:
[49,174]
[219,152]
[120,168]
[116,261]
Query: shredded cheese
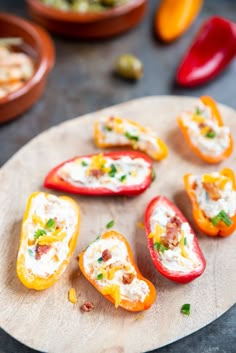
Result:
[220,180]
[114,292]
[72,295]
[156,235]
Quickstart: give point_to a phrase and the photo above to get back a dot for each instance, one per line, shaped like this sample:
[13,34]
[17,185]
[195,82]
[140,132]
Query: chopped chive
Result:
[185,309]
[98,237]
[30,251]
[108,128]
[100,276]
[198,111]
[153,175]
[113,171]
[51,224]
[110,224]
[210,134]
[131,137]
[39,233]
[185,241]
[160,247]
[122,178]
[84,164]
[221,216]
[100,259]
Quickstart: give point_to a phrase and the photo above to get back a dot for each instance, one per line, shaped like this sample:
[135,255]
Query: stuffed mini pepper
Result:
[213,198]
[205,132]
[115,173]
[109,266]
[114,131]
[172,243]
[49,233]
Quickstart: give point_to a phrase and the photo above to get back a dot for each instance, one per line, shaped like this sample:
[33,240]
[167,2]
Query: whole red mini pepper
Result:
[172,238]
[211,51]
[93,169]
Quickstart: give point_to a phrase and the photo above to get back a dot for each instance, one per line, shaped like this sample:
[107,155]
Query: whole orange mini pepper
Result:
[108,264]
[45,230]
[174,17]
[220,225]
[217,119]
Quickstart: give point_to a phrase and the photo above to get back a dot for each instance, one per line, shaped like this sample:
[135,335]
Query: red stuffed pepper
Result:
[115,173]
[172,243]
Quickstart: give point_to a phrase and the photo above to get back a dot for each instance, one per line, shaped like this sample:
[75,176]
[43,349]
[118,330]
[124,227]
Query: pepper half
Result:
[114,131]
[211,51]
[206,129]
[108,264]
[173,246]
[45,231]
[174,17]
[115,173]
[221,224]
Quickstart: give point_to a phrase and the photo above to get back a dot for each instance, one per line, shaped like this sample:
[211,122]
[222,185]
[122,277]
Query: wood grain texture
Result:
[46,320]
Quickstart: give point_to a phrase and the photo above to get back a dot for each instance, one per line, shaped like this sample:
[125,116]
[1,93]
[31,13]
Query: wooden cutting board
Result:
[46,320]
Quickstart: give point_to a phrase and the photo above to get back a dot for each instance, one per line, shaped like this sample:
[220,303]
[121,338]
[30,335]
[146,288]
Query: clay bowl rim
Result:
[73,17]
[45,54]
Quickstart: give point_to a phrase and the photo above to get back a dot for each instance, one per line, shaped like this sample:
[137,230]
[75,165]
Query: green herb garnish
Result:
[122,178]
[185,241]
[185,309]
[222,216]
[113,171]
[153,175]
[30,251]
[108,128]
[160,247]
[39,233]
[100,259]
[100,276]
[131,137]
[51,224]
[110,224]
[210,134]
[198,111]
[84,164]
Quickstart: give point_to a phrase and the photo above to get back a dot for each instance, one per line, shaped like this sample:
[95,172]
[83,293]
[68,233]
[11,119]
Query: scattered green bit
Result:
[185,241]
[198,111]
[129,67]
[108,128]
[210,134]
[39,233]
[98,237]
[222,216]
[100,259]
[84,164]
[160,247]
[185,309]
[100,276]
[122,178]
[113,171]
[131,137]
[110,224]
[30,251]
[153,175]
[51,224]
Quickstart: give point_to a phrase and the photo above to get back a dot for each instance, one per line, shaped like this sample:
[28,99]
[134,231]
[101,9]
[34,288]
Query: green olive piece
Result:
[110,3]
[129,66]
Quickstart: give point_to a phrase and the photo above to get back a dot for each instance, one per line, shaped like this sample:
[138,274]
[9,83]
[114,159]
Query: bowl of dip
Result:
[89,19]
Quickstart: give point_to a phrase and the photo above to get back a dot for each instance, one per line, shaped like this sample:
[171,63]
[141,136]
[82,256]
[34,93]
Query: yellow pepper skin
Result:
[174,17]
[27,277]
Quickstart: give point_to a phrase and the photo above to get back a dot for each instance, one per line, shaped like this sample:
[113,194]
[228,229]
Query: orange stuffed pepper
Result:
[49,233]
[213,198]
[109,266]
[205,132]
[115,131]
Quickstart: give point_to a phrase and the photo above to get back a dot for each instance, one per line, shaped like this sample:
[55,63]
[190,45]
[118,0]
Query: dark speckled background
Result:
[82,81]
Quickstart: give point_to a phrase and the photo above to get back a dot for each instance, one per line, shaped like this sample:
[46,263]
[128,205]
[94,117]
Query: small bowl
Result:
[90,25]
[39,46]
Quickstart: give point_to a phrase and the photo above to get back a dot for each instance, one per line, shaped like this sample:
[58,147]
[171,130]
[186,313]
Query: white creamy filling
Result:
[173,258]
[210,146]
[211,208]
[137,290]
[46,208]
[128,172]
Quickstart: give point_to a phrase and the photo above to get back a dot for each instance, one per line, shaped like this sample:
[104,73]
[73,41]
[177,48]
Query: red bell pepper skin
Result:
[54,181]
[211,51]
[176,276]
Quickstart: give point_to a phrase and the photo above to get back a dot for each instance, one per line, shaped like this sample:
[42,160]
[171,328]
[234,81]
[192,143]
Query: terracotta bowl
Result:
[92,25]
[38,44]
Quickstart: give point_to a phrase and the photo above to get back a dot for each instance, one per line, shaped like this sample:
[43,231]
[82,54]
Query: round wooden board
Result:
[46,320]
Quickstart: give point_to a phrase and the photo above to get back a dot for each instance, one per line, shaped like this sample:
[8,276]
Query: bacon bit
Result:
[106,255]
[172,229]
[72,295]
[212,190]
[87,306]
[97,173]
[194,185]
[127,278]
[202,125]
[41,250]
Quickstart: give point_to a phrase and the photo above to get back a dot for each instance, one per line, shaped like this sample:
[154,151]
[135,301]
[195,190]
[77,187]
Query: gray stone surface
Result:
[82,81]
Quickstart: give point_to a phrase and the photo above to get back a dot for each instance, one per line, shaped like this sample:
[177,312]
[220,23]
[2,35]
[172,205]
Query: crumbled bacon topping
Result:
[127,278]
[41,250]
[106,255]
[212,191]
[87,306]
[172,230]
[97,173]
